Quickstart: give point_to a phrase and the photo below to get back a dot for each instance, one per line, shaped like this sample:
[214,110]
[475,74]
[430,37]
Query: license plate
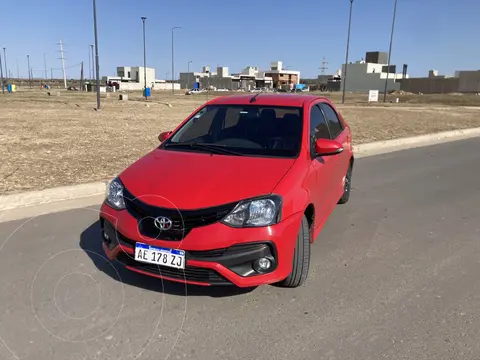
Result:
[160,256]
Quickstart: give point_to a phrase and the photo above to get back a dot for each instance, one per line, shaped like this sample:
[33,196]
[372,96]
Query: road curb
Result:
[35,198]
[381,147]
[97,189]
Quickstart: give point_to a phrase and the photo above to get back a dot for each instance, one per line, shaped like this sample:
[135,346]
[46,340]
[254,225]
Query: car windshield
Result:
[252,130]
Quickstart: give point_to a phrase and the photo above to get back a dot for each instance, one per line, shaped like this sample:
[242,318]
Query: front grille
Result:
[205,254]
[183,221]
[190,273]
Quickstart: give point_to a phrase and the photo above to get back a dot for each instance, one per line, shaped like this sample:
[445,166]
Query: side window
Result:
[318,126]
[333,121]
[231,117]
[197,127]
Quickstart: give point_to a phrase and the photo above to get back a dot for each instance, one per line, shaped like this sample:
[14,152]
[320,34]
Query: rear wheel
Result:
[347,187]
[301,257]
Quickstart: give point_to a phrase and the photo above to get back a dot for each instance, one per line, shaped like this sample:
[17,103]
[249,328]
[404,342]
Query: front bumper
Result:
[215,254]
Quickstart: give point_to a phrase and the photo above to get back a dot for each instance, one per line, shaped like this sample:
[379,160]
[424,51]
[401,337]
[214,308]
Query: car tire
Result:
[347,187]
[301,257]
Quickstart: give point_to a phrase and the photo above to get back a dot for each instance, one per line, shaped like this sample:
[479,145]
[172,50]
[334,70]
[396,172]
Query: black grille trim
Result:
[183,220]
[190,273]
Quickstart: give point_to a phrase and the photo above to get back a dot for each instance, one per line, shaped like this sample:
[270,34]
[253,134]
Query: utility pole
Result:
[89,63]
[97,66]
[5,61]
[93,64]
[51,74]
[29,72]
[390,50]
[63,64]
[324,66]
[144,59]
[1,74]
[18,71]
[344,76]
[173,66]
[45,65]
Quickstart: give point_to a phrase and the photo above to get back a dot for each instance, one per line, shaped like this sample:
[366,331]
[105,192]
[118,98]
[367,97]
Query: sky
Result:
[429,34]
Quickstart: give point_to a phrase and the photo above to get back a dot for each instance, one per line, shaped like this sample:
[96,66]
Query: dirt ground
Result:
[48,141]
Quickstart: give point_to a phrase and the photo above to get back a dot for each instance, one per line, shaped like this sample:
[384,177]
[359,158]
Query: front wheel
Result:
[301,257]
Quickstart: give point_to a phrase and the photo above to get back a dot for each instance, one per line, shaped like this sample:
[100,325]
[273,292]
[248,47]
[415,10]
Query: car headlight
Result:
[263,211]
[115,195]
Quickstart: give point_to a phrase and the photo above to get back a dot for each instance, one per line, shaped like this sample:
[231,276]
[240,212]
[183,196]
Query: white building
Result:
[133,78]
[365,76]
[282,77]
[250,77]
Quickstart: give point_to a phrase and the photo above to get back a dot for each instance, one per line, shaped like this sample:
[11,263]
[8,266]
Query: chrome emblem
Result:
[162,223]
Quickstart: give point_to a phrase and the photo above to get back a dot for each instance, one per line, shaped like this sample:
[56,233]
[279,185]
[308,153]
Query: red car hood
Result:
[188,180]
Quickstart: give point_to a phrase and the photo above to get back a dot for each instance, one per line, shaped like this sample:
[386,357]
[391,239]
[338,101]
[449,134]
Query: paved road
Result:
[395,274]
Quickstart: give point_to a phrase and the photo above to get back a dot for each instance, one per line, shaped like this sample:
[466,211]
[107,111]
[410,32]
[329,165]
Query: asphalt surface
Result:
[394,274]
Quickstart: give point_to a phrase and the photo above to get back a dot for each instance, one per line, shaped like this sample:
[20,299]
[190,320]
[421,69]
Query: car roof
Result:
[297,100]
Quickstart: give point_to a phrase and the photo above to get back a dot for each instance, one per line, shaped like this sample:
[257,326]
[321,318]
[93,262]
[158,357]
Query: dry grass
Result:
[48,141]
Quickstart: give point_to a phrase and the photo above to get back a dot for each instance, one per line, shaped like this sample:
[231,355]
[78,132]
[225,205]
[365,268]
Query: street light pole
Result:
[89,64]
[173,66]
[93,64]
[344,76]
[188,72]
[5,61]
[45,65]
[29,73]
[144,59]
[390,50]
[97,65]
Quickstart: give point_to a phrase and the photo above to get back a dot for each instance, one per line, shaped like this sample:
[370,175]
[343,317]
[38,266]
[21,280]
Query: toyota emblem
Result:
[162,223]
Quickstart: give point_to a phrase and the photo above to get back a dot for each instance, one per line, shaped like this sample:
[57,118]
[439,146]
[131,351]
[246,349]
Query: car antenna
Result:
[254,97]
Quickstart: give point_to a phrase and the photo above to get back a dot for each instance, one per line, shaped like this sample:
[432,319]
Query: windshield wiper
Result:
[213,148]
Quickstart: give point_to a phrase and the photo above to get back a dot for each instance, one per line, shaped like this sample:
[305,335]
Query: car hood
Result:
[189,180]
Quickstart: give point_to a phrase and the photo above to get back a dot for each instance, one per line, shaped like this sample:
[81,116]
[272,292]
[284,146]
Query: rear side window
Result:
[332,119]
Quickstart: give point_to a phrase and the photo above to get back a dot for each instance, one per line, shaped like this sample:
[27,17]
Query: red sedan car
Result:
[236,194]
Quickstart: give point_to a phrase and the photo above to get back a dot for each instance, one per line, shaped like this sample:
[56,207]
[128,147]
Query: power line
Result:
[66,67]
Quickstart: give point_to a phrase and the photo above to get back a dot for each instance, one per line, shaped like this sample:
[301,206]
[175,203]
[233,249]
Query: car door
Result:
[322,166]
[338,133]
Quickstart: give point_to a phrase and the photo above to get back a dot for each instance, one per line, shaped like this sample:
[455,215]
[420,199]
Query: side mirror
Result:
[327,147]
[164,135]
